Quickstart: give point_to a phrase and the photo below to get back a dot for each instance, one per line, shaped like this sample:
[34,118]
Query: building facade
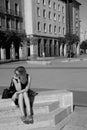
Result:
[73,21]
[49,19]
[11,19]
[11,15]
[46,20]
[73,17]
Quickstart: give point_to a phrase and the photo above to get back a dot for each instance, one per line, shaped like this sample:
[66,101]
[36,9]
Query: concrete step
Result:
[38,108]
[49,120]
[64,97]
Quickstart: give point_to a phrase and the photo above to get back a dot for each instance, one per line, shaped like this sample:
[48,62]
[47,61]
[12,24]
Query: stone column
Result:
[65,50]
[12,52]
[48,52]
[43,52]
[41,48]
[33,50]
[20,52]
[78,49]
[52,47]
[46,48]
[61,50]
[57,48]
[3,54]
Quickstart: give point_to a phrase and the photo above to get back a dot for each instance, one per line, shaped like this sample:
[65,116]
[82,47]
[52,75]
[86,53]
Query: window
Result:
[58,7]
[50,28]
[44,27]
[16,9]
[77,24]
[44,13]
[0,22]
[59,30]
[62,9]
[38,1]
[8,23]
[7,5]
[49,3]
[49,15]
[55,16]
[63,19]
[77,16]
[38,26]
[38,11]
[55,29]
[17,25]
[44,2]
[63,31]
[54,6]
[58,18]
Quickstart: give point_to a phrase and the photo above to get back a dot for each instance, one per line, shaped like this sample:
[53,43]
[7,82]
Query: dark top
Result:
[23,86]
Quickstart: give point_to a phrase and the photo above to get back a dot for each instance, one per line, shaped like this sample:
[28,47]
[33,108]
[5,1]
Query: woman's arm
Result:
[17,83]
[27,87]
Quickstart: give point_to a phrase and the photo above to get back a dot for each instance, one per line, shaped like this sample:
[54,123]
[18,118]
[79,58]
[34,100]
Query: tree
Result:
[83,46]
[33,40]
[61,40]
[71,39]
[15,38]
[3,38]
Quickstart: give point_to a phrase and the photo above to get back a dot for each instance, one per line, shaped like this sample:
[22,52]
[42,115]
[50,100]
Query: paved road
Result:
[69,75]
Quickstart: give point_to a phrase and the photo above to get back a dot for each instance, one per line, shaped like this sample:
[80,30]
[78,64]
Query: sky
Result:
[83,15]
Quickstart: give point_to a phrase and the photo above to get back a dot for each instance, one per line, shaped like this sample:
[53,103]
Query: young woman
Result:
[22,82]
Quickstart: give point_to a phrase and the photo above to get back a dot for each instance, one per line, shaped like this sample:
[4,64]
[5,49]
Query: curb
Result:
[74,60]
[39,62]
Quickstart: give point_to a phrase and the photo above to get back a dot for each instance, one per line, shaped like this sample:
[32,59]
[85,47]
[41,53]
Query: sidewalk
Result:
[47,60]
[78,119]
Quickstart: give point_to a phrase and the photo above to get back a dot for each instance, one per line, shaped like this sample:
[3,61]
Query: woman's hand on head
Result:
[16,78]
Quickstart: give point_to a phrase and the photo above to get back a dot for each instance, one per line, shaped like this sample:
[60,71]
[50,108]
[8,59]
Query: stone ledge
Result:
[48,120]
[65,98]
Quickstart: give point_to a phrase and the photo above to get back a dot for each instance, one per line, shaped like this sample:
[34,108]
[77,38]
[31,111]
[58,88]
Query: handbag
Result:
[8,92]
[5,93]
[12,89]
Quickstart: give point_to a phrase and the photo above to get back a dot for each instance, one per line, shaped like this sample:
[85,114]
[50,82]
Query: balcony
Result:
[10,12]
[2,10]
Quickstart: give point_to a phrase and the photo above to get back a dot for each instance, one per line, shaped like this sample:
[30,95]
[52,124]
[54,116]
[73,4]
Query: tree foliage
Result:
[32,40]
[2,38]
[71,38]
[84,45]
[61,40]
[9,37]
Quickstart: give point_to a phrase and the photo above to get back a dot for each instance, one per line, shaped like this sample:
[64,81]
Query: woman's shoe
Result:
[30,119]
[23,118]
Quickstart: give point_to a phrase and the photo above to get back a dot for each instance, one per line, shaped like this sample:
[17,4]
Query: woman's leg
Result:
[21,104]
[27,102]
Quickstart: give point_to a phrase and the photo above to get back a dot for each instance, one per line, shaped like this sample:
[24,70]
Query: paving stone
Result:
[41,108]
[68,127]
[48,120]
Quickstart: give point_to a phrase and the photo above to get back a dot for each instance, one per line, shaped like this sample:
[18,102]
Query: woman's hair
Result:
[21,70]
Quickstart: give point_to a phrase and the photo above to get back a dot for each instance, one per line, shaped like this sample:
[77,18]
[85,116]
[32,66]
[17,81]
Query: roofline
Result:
[72,1]
[77,2]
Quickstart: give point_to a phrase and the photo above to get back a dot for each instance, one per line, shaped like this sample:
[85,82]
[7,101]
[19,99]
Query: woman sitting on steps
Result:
[22,82]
